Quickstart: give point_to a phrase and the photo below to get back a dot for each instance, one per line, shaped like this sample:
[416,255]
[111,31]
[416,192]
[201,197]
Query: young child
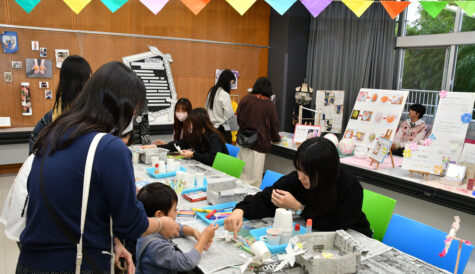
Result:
[157,254]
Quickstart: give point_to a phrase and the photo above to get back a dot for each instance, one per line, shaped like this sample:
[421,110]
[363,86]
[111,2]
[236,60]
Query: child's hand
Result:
[196,234]
[208,233]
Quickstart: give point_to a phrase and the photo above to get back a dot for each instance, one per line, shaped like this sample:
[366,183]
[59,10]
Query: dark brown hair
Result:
[201,126]
[184,126]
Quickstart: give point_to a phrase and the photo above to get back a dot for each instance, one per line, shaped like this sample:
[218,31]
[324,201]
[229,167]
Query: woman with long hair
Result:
[320,189]
[205,140]
[256,112]
[49,241]
[218,104]
[74,73]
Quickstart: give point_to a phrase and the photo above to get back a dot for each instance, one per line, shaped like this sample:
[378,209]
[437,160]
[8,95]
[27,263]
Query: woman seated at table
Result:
[320,189]
[204,141]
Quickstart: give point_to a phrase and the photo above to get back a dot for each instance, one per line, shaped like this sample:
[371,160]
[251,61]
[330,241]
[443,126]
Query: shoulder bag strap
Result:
[85,195]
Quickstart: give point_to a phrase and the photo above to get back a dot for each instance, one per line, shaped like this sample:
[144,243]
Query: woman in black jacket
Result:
[205,139]
[321,190]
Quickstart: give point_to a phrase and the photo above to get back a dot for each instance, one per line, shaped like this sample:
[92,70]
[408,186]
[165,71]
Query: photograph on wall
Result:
[375,112]
[38,68]
[43,84]
[16,65]
[153,67]
[329,106]
[43,52]
[8,77]
[26,99]
[48,94]
[304,132]
[60,55]
[235,72]
[9,41]
[35,45]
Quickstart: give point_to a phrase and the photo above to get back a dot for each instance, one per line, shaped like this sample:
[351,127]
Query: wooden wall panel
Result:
[194,63]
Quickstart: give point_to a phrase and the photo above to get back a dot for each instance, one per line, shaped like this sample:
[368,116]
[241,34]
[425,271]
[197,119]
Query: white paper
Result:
[5,122]
[304,132]
[468,154]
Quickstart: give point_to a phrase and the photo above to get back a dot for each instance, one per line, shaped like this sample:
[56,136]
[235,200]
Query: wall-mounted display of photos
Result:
[329,106]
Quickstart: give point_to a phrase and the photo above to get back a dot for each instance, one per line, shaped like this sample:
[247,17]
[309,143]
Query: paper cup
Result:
[286,236]
[177,166]
[154,160]
[200,179]
[170,165]
[283,219]
[260,249]
[161,167]
[272,236]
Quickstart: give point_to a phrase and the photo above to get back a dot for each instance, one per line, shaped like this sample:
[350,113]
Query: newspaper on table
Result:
[371,247]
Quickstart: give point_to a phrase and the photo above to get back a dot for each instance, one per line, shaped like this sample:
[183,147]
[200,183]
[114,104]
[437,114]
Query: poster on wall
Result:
[153,68]
[235,72]
[38,68]
[375,112]
[329,106]
[445,143]
[9,41]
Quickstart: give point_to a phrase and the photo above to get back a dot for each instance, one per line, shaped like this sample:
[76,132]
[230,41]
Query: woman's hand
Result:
[187,153]
[159,142]
[148,146]
[170,229]
[121,252]
[284,199]
[234,221]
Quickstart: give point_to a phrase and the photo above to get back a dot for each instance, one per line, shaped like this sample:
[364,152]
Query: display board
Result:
[153,68]
[329,106]
[375,112]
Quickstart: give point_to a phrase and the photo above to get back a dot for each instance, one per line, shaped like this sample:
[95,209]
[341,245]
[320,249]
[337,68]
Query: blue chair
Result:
[233,150]
[270,177]
[425,242]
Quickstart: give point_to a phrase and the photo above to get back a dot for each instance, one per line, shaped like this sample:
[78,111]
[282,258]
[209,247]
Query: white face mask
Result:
[181,116]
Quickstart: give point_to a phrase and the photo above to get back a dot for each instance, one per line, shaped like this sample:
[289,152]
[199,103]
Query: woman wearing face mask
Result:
[321,190]
[218,104]
[204,141]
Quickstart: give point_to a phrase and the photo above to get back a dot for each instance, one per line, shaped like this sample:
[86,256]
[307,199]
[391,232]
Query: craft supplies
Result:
[297,229]
[186,213]
[308,228]
[156,169]
[470,184]
[195,196]
[211,214]
[201,210]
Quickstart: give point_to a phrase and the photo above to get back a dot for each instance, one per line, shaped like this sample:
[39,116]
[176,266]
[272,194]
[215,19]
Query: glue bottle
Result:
[156,168]
[297,230]
[308,228]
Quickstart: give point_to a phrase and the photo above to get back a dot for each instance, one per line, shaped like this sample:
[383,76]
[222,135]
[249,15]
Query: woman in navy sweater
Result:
[106,104]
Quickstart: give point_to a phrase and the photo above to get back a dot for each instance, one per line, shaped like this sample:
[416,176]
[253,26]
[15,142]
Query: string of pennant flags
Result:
[315,7]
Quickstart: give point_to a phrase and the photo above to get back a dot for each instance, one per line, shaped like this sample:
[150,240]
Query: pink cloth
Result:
[407,134]
[364,163]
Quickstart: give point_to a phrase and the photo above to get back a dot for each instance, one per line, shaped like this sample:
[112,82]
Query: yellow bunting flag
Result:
[241,6]
[358,7]
[195,5]
[394,8]
[77,5]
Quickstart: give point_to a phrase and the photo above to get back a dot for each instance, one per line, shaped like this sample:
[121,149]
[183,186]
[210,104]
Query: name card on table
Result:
[304,132]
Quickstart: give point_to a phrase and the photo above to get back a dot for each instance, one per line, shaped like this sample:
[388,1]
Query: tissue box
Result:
[220,191]
[149,152]
[345,250]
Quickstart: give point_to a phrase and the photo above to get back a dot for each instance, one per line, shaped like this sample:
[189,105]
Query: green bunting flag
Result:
[467,6]
[434,7]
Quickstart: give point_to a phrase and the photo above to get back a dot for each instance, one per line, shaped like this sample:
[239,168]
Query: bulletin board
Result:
[101,36]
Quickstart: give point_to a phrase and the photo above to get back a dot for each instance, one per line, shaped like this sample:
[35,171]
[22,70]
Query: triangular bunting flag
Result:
[394,8]
[358,7]
[434,7]
[154,5]
[195,5]
[315,7]
[27,5]
[241,6]
[281,6]
[114,5]
[467,6]
[77,5]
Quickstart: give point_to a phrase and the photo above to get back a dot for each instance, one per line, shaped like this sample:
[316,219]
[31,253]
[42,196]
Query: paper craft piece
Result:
[413,146]
[443,94]
[60,55]
[423,160]
[154,6]
[293,249]
[466,118]
[433,8]
[357,7]
[38,68]
[381,150]
[281,6]
[114,5]
[35,45]
[48,94]
[467,6]
[451,236]
[394,8]
[16,65]
[8,77]
[26,99]
[195,5]
[27,5]
[374,113]
[9,41]
[329,105]
[241,6]
[236,75]
[304,132]
[427,142]
[468,154]
[5,122]
[77,5]
[315,7]
[43,52]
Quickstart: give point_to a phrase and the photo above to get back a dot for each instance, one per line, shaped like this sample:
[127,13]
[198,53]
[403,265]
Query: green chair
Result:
[228,164]
[378,210]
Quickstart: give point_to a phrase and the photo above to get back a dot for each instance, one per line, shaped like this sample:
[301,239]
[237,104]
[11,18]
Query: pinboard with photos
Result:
[375,112]
[329,106]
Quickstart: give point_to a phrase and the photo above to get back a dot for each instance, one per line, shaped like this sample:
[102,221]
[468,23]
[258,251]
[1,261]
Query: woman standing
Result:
[49,241]
[321,190]
[74,73]
[256,112]
[218,104]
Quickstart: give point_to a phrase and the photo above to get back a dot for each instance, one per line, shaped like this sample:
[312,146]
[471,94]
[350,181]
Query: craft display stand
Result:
[423,173]
[388,134]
